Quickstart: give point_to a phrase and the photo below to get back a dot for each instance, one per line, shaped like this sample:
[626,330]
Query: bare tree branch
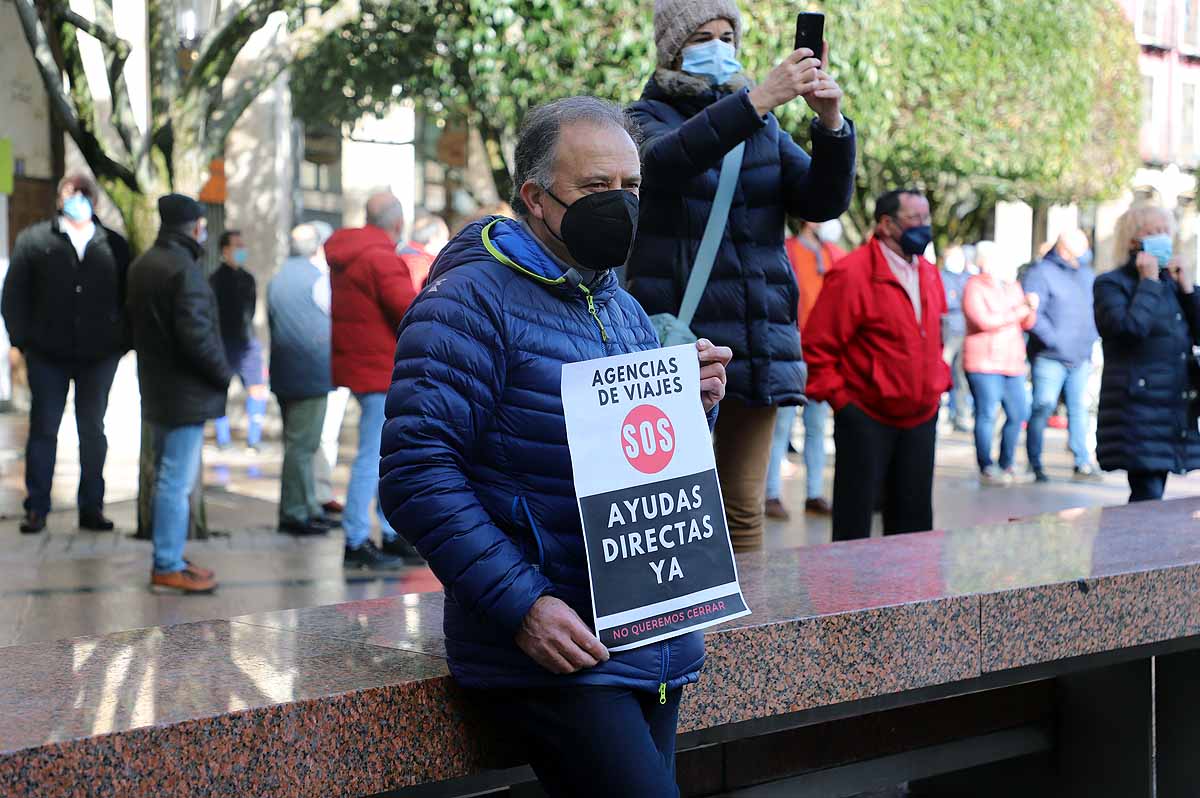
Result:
[118,50]
[292,47]
[61,103]
[237,24]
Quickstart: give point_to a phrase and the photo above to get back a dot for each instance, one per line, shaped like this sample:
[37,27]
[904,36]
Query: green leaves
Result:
[976,102]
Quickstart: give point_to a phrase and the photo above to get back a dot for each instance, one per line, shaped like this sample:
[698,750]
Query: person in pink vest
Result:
[998,312]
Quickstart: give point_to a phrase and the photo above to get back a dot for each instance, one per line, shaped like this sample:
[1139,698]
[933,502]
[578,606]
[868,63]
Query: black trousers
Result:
[1146,486]
[878,465]
[48,384]
[592,742]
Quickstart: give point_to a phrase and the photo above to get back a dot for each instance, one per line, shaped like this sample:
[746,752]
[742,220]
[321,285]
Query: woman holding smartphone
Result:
[697,107]
[1148,315]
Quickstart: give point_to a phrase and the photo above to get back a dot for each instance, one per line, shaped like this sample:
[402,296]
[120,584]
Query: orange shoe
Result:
[186,581]
[204,573]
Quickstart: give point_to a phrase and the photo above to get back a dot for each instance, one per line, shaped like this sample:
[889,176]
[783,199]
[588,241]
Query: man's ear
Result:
[533,196]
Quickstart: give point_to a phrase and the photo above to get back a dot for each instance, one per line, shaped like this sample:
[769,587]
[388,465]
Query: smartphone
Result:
[810,32]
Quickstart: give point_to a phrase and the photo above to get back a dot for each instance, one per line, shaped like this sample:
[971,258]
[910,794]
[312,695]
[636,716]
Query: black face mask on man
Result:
[598,229]
[914,240]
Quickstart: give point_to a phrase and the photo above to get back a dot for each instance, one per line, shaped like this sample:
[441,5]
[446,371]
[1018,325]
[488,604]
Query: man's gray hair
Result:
[537,144]
[305,240]
[384,210]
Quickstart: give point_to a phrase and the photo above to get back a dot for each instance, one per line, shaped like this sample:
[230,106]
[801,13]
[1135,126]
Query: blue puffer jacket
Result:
[751,300]
[475,468]
[1066,327]
[1148,393]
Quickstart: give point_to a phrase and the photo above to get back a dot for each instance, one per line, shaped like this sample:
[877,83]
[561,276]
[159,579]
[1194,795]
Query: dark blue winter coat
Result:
[1066,326]
[751,300]
[475,467]
[1148,393]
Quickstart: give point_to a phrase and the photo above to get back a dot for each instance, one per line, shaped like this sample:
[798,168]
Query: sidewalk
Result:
[65,583]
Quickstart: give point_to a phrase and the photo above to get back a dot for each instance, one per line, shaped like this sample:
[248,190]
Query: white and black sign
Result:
[658,550]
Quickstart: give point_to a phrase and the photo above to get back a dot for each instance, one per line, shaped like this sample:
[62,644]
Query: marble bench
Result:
[1073,616]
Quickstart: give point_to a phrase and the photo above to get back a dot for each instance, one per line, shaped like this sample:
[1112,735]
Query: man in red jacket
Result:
[874,349]
[372,287]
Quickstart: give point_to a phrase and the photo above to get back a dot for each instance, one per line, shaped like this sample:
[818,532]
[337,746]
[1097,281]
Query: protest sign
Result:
[659,557]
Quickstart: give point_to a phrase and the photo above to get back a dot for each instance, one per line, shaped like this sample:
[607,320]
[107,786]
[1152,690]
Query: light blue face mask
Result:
[1161,247]
[78,208]
[714,59]
[239,256]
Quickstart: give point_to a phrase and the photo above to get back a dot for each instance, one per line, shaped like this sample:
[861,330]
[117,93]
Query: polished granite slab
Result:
[353,699]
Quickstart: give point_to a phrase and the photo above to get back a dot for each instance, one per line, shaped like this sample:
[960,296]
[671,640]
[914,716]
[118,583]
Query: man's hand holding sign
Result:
[552,634]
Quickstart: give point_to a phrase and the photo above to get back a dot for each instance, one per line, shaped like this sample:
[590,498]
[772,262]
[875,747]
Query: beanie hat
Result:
[676,20]
[176,209]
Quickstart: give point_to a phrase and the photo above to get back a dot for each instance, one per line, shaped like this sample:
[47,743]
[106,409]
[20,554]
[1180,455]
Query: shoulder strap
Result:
[706,256]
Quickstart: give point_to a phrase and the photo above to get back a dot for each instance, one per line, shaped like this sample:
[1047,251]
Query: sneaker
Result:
[368,557]
[333,507]
[993,477]
[818,506]
[399,547]
[34,522]
[1087,473]
[775,509]
[1016,477]
[189,580]
[301,530]
[95,522]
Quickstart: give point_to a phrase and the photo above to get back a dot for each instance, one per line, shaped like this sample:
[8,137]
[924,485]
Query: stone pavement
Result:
[65,583]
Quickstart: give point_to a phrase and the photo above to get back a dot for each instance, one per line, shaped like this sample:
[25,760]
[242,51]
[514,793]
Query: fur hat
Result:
[676,20]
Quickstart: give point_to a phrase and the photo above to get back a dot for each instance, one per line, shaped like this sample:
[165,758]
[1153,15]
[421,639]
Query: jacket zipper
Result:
[662,683]
[537,537]
[592,310]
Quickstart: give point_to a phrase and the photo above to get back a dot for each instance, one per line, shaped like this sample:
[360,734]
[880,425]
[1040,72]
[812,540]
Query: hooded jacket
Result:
[751,300]
[1148,392]
[476,472]
[372,287]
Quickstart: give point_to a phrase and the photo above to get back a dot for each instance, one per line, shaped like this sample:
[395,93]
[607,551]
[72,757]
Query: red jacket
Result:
[997,318]
[864,346]
[372,287]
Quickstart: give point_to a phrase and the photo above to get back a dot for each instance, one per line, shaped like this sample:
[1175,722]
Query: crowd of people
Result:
[453,347]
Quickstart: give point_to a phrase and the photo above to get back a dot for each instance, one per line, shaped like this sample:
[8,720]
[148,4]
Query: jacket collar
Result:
[518,249]
[880,270]
[1057,260]
[689,92]
[172,240]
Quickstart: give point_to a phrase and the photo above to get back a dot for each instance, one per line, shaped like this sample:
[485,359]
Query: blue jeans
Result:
[990,391]
[178,469]
[1050,377]
[816,418]
[586,741]
[364,474]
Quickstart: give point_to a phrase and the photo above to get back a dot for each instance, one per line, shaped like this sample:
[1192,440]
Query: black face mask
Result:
[598,229]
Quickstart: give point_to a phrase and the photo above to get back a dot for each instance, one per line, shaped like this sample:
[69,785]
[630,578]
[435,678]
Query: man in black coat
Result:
[64,307]
[183,373]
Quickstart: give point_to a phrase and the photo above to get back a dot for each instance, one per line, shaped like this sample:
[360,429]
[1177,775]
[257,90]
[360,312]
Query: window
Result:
[1147,102]
[1191,25]
[1148,20]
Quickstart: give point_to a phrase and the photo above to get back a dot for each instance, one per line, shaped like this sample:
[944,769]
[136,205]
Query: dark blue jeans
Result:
[586,742]
[49,381]
[990,391]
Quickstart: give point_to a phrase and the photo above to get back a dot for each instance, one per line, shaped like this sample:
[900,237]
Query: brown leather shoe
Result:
[185,581]
[775,509]
[818,506]
[333,507]
[203,573]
